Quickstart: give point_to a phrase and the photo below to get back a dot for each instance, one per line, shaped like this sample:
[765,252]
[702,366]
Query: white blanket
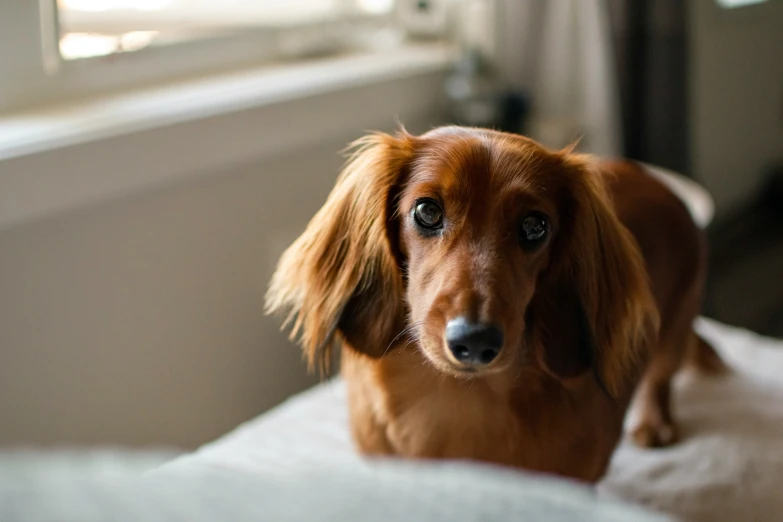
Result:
[383,492]
[728,467]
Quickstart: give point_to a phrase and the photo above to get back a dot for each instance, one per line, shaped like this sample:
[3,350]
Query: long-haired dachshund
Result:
[498,301]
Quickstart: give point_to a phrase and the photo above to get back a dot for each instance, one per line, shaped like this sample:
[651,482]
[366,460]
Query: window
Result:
[731,4]
[101,27]
[56,50]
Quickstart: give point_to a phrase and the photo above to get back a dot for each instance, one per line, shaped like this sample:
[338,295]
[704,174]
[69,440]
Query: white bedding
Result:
[383,492]
[728,467]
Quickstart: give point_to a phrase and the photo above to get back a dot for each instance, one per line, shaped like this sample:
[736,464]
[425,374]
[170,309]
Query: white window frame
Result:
[32,72]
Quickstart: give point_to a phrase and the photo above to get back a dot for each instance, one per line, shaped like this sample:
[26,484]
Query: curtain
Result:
[574,94]
[612,71]
[650,48]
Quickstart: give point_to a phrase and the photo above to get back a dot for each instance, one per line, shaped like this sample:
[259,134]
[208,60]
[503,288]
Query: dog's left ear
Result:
[341,276]
[601,279]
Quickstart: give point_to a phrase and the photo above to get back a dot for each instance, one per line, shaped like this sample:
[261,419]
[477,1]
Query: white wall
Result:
[736,97]
[139,321]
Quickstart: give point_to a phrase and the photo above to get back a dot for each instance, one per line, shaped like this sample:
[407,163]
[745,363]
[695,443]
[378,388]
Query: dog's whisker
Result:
[405,331]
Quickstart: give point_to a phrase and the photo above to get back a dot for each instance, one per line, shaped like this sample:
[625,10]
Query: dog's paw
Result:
[654,435]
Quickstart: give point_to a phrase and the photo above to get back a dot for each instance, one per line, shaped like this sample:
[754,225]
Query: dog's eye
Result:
[428,214]
[533,231]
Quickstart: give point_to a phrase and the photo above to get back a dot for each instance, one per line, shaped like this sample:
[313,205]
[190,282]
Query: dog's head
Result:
[483,249]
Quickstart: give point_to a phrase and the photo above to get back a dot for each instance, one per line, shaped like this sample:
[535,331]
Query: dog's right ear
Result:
[342,274]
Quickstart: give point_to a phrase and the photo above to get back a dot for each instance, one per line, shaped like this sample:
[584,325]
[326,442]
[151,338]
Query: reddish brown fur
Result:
[603,310]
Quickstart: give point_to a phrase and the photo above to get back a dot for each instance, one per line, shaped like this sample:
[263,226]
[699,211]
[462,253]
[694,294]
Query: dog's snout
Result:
[473,343]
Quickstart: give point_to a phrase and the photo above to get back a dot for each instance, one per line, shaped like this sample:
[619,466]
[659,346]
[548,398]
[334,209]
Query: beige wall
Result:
[736,96]
[140,321]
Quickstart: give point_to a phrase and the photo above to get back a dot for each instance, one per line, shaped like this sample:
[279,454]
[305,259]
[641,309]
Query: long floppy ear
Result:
[341,275]
[599,281]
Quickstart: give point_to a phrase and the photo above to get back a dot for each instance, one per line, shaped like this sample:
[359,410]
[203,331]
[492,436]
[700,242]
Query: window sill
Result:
[57,158]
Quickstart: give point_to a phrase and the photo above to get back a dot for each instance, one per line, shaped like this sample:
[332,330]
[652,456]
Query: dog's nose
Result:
[473,343]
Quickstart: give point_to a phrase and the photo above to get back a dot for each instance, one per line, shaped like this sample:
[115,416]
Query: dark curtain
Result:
[650,38]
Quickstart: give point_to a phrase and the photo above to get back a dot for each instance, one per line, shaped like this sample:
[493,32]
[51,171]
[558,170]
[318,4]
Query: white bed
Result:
[297,463]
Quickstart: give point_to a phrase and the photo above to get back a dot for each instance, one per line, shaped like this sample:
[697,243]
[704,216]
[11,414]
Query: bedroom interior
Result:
[157,157]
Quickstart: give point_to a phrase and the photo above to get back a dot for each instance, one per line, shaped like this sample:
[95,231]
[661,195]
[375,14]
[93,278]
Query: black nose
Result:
[473,343]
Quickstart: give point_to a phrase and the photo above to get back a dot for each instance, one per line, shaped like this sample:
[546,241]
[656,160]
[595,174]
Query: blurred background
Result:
[156,157]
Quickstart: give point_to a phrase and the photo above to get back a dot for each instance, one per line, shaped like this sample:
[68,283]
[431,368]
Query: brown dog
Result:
[496,300]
